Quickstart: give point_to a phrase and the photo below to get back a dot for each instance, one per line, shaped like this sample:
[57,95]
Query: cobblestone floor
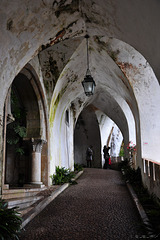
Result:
[99,207]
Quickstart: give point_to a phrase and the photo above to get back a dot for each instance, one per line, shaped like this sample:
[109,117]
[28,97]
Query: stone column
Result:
[37,145]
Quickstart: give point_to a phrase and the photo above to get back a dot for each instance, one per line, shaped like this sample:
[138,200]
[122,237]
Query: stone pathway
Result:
[99,207]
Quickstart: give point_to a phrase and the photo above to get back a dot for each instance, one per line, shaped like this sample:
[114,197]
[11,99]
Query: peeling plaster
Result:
[65,6]
[145,86]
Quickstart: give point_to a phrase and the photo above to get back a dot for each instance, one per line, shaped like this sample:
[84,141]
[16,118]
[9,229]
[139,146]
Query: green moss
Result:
[54,105]
[63,73]
[60,161]
[62,117]
[52,114]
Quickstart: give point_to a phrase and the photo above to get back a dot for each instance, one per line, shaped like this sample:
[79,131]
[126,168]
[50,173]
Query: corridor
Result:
[99,207]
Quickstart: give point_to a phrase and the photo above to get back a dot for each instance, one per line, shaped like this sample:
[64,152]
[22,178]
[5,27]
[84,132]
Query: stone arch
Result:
[146,88]
[69,92]
[19,169]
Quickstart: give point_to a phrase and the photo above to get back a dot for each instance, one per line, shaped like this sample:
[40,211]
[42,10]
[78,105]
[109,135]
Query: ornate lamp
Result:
[88,82]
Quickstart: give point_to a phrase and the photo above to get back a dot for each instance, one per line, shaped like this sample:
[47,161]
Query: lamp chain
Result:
[87,53]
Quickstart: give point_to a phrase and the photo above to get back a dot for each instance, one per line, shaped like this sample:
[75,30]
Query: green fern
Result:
[10,222]
[20,130]
[20,151]
[16,130]
[62,175]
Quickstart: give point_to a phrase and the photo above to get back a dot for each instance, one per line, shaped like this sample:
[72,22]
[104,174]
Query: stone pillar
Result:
[37,145]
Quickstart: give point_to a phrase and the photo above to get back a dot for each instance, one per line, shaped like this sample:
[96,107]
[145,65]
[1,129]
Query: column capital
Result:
[37,144]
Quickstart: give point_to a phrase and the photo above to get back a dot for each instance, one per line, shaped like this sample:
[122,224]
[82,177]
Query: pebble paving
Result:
[99,207]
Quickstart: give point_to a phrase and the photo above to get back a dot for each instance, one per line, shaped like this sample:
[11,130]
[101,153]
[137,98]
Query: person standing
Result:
[89,156]
[106,156]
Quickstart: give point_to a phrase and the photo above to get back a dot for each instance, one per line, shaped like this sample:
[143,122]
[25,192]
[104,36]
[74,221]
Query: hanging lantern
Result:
[88,83]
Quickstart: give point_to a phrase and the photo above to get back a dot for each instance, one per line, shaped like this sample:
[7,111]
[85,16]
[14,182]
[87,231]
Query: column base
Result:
[6,186]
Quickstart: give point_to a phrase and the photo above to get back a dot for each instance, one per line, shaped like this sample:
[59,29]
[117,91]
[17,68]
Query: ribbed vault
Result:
[50,36]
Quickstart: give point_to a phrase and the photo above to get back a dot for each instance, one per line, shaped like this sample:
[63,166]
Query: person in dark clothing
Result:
[89,156]
[106,156]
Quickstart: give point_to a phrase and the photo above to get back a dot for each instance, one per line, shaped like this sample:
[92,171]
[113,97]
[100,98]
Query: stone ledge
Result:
[140,209]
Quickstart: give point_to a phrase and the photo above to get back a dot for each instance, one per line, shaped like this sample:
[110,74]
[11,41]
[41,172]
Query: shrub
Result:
[10,222]
[123,164]
[78,167]
[130,174]
[121,153]
[62,176]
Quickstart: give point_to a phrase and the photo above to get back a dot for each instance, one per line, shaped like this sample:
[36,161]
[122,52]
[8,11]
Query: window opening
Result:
[67,117]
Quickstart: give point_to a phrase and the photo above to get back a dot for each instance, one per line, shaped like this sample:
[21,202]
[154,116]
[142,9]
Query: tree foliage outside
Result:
[16,130]
[121,153]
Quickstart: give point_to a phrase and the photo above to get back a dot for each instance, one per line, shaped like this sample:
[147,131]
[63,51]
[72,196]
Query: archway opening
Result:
[87,133]
[24,125]
[25,133]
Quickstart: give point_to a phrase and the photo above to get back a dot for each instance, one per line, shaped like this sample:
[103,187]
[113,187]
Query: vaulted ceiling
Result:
[123,50]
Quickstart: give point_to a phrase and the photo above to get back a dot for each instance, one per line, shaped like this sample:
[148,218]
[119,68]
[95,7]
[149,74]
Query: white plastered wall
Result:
[147,92]
[105,124]
[66,90]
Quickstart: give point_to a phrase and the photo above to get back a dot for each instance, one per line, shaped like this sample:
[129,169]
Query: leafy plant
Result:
[10,222]
[78,167]
[62,176]
[16,130]
[123,164]
[20,151]
[131,147]
[130,174]
[121,153]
